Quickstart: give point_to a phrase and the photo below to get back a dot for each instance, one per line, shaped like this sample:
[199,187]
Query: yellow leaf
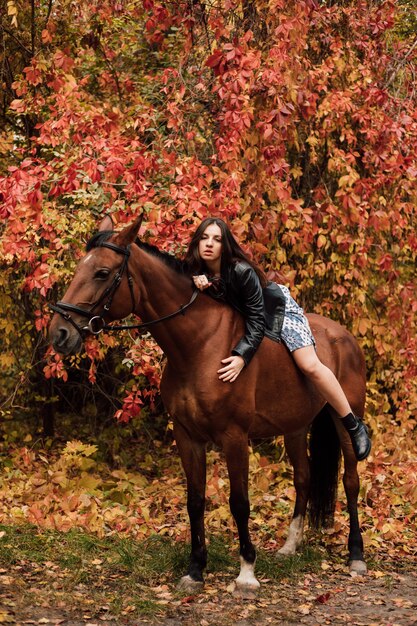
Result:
[296,172]
[363,326]
[7,360]
[11,8]
[86,464]
[77,447]
[321,241]
[304,609]
[6,618]
[88,482]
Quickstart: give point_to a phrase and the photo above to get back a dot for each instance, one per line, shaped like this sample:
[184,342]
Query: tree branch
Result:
[33,27]
[400,64]
[19,43]
[112,71]
[49,11]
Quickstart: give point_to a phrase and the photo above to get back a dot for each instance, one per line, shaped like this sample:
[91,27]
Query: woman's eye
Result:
[102,274]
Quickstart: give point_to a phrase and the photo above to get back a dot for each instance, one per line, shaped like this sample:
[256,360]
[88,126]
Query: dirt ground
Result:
[327,597]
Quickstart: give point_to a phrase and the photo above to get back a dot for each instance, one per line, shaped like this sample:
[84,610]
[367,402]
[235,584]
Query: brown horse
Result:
[121,275]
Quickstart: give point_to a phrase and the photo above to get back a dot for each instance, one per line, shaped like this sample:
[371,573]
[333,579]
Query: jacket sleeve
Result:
[249,287]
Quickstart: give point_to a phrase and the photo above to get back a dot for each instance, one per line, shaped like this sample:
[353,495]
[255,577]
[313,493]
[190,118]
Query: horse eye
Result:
[102,274]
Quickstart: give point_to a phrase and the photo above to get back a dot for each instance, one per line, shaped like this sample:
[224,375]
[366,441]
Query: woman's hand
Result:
[231,371]
[201,282]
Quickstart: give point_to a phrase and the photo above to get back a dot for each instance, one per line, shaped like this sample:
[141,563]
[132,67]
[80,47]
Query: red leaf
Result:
[187,599]
[323,598]
[215,59]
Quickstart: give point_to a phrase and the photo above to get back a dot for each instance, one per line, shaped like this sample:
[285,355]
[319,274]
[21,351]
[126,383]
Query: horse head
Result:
[102,289]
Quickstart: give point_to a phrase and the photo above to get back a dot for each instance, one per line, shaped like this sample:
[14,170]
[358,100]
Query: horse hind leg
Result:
[235,447]
[328,436]
[356,561]
[296,448]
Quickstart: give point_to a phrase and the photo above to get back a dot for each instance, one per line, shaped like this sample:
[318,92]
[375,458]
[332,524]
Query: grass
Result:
[276,568]
[118,580]
[85,569]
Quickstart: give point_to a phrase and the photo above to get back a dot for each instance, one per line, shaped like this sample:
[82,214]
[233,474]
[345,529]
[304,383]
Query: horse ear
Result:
[129,234]
[106,223]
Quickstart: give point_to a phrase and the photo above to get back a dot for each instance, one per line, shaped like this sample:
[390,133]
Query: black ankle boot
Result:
[359,436]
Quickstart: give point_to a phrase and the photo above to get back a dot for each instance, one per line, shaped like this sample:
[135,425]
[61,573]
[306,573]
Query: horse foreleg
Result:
[351,485]
[296,448]
[193,458]
[235,446]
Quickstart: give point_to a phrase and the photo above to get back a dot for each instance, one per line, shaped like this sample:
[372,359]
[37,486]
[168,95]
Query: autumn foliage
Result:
[296,121]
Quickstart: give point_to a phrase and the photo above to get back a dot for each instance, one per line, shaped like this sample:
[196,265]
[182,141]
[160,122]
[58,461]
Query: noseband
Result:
[96,323]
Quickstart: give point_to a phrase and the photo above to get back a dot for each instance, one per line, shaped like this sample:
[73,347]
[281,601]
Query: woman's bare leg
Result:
[323,378]
[331,390]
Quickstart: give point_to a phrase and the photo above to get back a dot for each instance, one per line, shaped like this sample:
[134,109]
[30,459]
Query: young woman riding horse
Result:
[120,275]
[220,266]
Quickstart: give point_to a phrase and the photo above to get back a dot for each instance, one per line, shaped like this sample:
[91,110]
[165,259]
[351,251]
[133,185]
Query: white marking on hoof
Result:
[295,537]
[357,568]
[246,582]
[189,584]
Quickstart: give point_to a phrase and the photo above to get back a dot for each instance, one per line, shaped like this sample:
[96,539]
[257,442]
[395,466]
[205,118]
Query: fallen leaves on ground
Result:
[70,489]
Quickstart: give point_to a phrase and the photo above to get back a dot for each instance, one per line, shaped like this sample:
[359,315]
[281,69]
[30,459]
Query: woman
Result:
[219,265]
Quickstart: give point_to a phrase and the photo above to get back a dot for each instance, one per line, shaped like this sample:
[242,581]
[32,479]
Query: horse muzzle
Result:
[65,340]
[66,334]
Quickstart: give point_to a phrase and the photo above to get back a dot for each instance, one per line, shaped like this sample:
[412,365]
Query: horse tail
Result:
[324,448]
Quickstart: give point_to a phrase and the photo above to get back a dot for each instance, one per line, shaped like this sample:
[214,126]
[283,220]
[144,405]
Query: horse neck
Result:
[162,292]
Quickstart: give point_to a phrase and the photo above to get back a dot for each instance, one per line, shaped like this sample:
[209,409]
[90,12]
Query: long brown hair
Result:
[231,250]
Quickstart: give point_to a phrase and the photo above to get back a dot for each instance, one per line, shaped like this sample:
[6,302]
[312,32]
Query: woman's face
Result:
[210,247]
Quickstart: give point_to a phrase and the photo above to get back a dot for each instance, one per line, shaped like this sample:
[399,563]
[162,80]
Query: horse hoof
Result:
[357,568]
[247,590]
[189,584]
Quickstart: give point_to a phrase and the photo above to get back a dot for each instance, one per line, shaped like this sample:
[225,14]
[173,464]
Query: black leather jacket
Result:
[263,309]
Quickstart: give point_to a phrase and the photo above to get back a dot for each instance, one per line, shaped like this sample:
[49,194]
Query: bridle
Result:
[96,323]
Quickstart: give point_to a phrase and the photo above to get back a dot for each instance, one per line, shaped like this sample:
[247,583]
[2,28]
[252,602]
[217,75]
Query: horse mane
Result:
[179,266]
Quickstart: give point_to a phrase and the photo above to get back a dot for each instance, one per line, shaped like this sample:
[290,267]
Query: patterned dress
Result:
[296,332]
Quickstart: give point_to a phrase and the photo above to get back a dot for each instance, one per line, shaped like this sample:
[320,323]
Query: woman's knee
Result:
[309,364]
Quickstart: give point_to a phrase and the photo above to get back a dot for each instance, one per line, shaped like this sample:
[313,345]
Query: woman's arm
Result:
[248,285]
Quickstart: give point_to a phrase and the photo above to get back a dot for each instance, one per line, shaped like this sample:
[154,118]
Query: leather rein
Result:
[96,323]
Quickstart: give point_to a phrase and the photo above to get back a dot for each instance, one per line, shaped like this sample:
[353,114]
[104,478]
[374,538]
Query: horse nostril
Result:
[62,336]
